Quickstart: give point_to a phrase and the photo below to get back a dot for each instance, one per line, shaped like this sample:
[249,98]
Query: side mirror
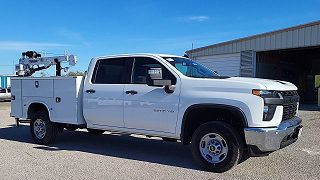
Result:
[155,73]
[154,78]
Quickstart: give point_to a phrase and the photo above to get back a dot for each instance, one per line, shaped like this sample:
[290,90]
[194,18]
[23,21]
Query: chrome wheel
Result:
[39,128]
[213,148]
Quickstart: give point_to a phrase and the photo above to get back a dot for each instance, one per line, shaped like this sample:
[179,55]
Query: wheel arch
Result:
[186,136]
[35,107]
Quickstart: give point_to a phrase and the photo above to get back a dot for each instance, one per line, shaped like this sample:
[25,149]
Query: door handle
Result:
[132,92]
[90,91]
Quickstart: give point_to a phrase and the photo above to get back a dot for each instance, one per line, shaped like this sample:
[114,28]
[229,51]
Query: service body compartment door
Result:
[65,109]
[37,87]
[16,101]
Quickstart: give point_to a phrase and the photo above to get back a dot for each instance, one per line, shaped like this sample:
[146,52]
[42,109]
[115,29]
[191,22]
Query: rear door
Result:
[103,93]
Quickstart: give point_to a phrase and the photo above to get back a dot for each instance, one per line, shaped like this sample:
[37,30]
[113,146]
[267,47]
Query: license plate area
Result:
[297,132]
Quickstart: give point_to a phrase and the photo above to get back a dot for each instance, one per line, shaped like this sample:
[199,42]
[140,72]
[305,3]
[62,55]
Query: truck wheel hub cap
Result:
[213,148]
[39,129]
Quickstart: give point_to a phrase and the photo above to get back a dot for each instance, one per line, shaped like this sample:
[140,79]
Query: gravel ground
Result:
[79,155]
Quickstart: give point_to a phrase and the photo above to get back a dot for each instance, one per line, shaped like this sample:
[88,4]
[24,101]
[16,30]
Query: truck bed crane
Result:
[32,61]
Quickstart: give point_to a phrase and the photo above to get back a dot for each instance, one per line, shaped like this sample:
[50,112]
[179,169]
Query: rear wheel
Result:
[43,131]
[95,131]
[216,146]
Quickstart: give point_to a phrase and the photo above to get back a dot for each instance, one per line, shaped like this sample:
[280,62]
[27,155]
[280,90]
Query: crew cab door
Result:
[103,93]
[146,108]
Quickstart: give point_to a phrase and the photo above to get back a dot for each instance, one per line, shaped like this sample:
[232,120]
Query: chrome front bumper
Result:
[271,139]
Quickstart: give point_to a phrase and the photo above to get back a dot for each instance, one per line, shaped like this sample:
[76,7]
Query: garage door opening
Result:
[299,66]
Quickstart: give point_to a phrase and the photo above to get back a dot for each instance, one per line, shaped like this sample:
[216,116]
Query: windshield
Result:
[191,68]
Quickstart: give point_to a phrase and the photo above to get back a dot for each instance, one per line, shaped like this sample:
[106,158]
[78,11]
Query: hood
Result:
[268,83]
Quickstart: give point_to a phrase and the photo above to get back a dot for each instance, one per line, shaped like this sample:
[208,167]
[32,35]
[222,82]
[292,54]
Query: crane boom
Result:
[31,62]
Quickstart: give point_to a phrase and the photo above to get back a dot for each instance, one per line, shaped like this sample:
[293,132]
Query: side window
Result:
[111,71]
[140,70]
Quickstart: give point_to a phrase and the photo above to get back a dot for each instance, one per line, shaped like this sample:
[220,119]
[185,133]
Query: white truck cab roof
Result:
[136,54]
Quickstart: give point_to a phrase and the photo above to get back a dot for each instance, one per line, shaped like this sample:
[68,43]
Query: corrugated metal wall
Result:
[226,65]
[247,64]
[294,37]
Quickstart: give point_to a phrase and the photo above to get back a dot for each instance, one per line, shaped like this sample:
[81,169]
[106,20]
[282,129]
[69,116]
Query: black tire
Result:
[71,128]
[169,139]
[230,137]
[51,129]
[95,131]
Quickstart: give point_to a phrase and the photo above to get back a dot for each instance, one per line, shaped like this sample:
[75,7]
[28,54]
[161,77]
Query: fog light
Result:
[268,112]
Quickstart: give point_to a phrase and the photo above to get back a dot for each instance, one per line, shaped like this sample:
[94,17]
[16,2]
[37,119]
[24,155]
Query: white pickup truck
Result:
[164,96]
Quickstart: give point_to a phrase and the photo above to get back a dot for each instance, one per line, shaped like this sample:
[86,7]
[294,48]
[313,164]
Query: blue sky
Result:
[96,27]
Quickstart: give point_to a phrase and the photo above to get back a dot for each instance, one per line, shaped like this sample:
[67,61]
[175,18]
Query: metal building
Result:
[290,54]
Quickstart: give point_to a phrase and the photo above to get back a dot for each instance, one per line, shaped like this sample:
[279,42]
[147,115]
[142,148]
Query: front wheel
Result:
[43,131]
[216,146]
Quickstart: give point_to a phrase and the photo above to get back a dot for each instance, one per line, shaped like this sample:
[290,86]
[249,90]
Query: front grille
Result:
[289,111]
[288,93]
[291,99]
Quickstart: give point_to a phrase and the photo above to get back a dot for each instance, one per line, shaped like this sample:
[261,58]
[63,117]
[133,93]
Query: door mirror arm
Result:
[169,89]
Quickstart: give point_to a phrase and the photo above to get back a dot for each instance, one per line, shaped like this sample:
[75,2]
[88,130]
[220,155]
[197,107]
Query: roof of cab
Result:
[136,54]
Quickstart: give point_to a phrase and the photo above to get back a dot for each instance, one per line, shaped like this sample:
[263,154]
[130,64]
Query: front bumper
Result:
[271,139]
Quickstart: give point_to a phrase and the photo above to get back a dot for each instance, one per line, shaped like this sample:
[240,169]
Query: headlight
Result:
[265,93]
[268,110]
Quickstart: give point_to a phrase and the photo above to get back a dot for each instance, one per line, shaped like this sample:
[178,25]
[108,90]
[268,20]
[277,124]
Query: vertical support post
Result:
[58,67]
[254,63]
[17,121]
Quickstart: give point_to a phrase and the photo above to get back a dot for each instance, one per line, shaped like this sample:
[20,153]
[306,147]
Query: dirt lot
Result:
[79,155]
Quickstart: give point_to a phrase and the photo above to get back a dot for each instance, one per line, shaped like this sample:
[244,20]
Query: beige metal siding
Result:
[289,39]
[307,36]
[295,37]
[301,37]
[284,39]
[314,31]
[318,42]
[228,65]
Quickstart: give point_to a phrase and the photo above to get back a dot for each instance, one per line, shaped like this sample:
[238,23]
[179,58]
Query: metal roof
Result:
[303,35]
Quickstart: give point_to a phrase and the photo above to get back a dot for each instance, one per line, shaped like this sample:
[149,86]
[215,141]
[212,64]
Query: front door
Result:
[103,93]
[149,108]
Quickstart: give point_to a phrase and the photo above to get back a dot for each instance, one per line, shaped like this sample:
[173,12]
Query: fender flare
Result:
[231,108]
